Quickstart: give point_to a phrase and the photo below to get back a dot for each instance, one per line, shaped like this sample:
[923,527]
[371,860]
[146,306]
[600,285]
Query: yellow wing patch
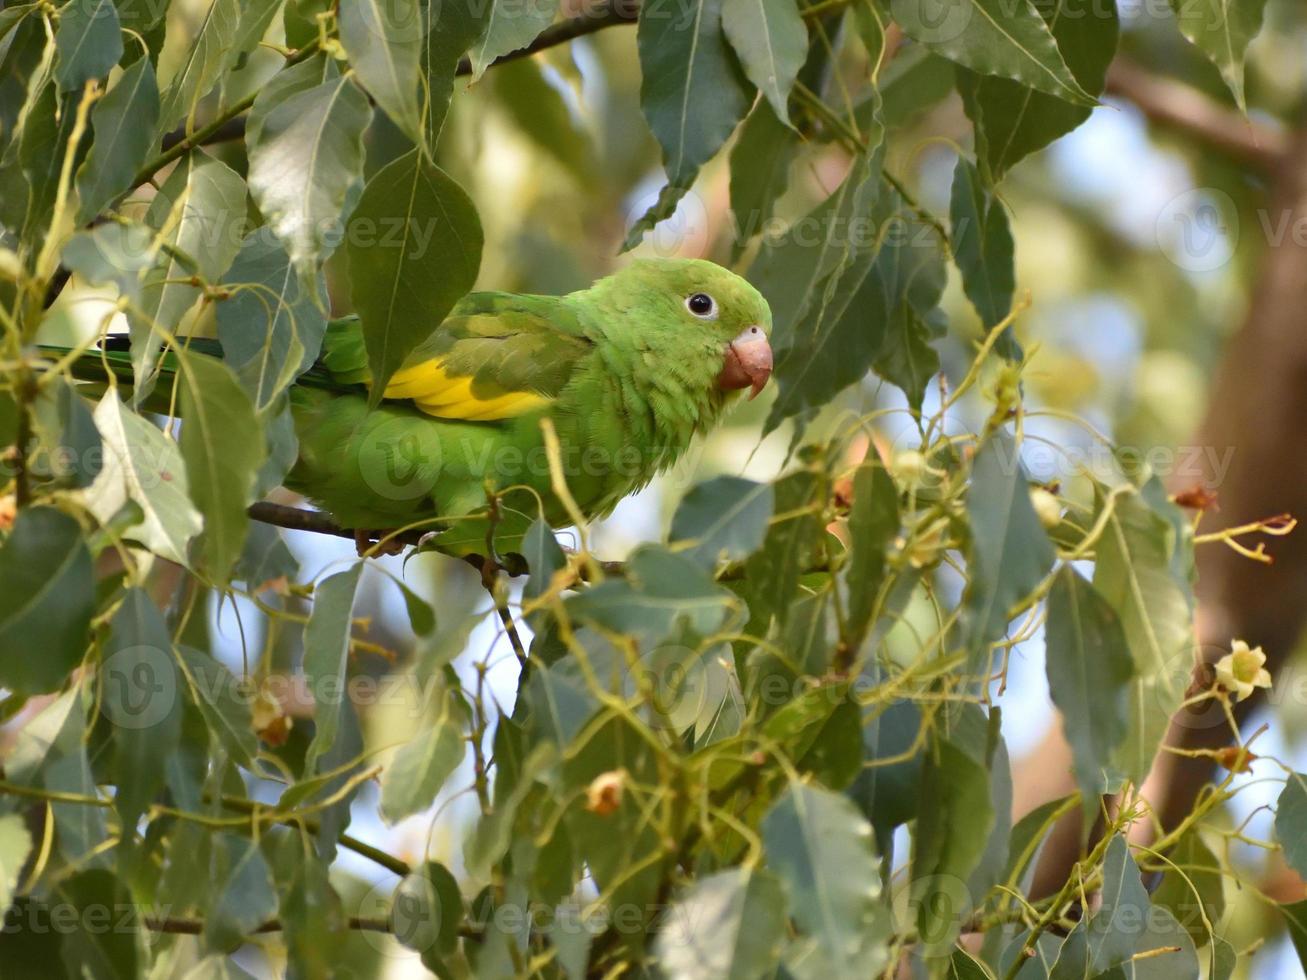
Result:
[446,396]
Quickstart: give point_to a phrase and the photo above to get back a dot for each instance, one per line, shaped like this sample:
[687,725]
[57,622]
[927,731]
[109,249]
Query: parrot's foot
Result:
[373,542]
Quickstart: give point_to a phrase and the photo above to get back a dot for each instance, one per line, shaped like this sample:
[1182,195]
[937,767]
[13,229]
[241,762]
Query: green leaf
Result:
[224,702]
[791,269]
[89,42]
[202,65]
[1295,917]
[681,53]
[660,593]
[199,210]
[113,255]
[243,893]
[1291,821]
[994,37]
[1013,121]
[1135,571]
[1222,31]
[427,910]
[726,517]
[144,466]
[223,448]
[15,846]
[420,768]
[1194,888]
[955,815]
[110,951]
[1089,671]
[306,166]
[982,248]
[760,172]
[272,326]
[1113,934]
[493,834]
[726,926]
[326,655]
[963,966]
[290,81]
[513,24]
[142,700]
[873,526]
[772,43]
[126,123]
[384,44]
[451,28]
[887,792]
[312,916]
[543,557]
[432,225]
[867,310]
[1010,553]
[68,449]
[772,574]
[821,848]
[47,600]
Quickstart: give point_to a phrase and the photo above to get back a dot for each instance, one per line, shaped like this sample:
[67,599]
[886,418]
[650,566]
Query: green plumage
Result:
[625,371]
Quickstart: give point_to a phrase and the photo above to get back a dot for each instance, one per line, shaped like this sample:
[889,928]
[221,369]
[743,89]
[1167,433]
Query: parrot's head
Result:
[694,305]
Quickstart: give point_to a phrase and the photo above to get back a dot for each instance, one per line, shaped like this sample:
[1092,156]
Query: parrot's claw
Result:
[375,543]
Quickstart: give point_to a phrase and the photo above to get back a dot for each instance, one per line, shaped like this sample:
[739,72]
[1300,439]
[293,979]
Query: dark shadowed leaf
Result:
[873,525]
[683,50]
[99,952]
[1291,821]
[1295,917]
[1112,935]
[47,601]
[451,28]
[760,172]
[1193,890]
[326,654]
[982,248]
[432,225]
[224,702]
[243,895]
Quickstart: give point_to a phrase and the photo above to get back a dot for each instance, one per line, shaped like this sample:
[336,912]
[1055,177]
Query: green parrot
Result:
[628,372]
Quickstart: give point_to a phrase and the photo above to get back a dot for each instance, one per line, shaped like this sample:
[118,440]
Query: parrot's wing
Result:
[497,356]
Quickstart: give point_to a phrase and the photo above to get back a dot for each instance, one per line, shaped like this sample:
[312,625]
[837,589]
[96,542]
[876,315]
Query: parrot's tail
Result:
[111,363]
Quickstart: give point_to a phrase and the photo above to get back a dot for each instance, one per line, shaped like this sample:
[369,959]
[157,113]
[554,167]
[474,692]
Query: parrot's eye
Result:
[702,306]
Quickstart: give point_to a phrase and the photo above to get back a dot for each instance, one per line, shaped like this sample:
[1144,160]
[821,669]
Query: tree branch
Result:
[1175,105]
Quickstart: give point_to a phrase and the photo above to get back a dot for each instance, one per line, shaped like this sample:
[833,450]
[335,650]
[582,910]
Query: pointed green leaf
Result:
[771,41]
[243,894]
[1295,917]
[200,68]
[821,848]
[420,768]
[384,43]
[1012,120]
[993,37]
[983,251]
[224,701]
[726,517]
[873,526]
[451,28]
[126,123]
[1222,31]
[760,172]
[142,700]
[682,52]
[512,25]
[1291,821]
[144,466]
[1010,553]
[222,447]
[727,925]
[271,327]
[306,166]
[1089,671]
[47,600]
[428,262]
[89,42]
[326,654]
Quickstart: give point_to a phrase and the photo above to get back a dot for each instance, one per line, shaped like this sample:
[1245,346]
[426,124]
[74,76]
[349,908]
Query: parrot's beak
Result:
[748,362]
